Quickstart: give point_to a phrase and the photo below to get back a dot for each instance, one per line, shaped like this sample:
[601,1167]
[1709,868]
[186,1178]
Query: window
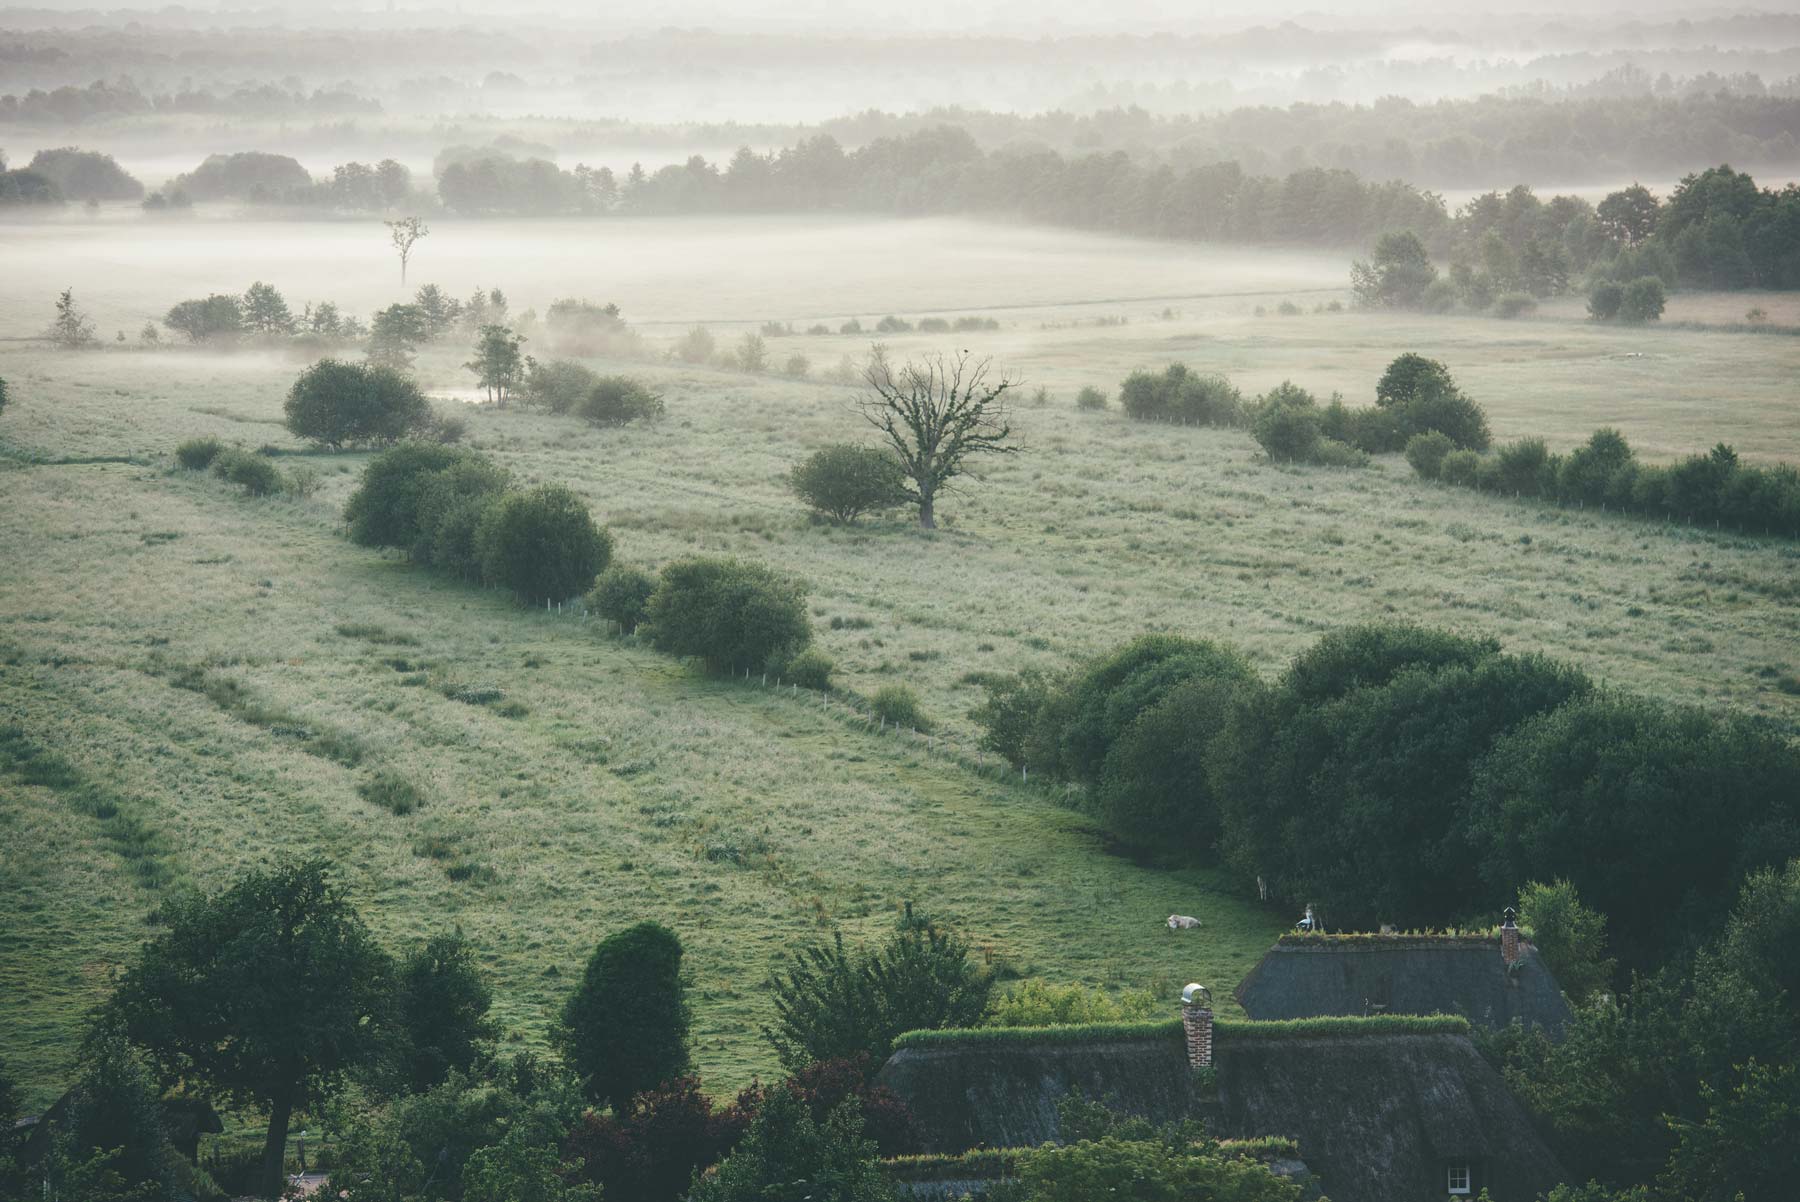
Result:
[1459,1179]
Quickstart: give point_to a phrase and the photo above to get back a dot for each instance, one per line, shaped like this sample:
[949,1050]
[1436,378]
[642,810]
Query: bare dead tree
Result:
[405,232]
[935,414]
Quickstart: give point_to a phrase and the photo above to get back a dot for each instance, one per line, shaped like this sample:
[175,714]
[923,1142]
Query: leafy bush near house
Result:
[197,454]
[729,614]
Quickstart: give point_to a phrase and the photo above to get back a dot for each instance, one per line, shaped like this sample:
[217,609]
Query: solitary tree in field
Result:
[936,414]
[499,364]
[265,994]
[73,328]
[404,233]
[624,1029]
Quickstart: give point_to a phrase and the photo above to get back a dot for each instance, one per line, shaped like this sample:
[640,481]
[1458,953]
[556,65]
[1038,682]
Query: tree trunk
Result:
[926,520]
[275,1146]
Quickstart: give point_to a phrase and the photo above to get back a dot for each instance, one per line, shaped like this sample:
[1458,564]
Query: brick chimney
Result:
[1509,937]
[1197,1020]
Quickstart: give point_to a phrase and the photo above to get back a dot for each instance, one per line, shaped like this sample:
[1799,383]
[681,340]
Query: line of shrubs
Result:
[255,473]
[1713,486]
[1394,774]
[563,386]
[457,510]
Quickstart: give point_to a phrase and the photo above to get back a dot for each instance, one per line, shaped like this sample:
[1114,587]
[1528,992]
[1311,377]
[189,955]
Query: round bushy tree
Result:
[451,503]
[1604,300]
[1110,693]
[727,613]
[844,481]
[384,509]
[542,545]
[620,400]
[1287,424]
[1643,300]
[624,1029]
[340,404]
[623,595]
[1426,452]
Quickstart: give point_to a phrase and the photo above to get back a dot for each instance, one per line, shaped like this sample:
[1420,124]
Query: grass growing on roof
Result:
[1223,1028]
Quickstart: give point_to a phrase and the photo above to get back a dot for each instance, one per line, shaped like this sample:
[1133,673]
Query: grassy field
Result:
[227,673]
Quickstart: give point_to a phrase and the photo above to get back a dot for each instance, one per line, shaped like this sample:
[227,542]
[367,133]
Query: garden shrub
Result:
[340,404]
[624,1029]
[844,481]
[541,545]
[899,705]
[729,614]
[1426,452]
[622,594]
[197,454]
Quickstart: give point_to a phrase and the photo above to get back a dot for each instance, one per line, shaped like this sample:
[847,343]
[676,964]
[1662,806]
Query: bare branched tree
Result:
[405,232]
[935,414]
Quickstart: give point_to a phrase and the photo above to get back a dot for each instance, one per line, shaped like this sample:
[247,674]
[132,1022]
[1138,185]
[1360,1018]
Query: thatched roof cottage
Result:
[1491,980]
[1383,1109]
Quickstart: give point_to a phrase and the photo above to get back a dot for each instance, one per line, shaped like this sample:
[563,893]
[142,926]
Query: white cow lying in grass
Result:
[1181,922]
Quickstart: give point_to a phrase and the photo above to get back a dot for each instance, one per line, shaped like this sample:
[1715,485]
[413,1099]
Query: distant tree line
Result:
[103,100]
[1403,775]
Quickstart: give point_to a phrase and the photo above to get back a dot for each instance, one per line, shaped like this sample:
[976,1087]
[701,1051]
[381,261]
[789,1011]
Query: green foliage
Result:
[1179,395]
[1570,937]
[384,511]
[622,594]
[395,334]
[1743,1146]
[811,669]
[257,474]
[1760,937]
[197,454]
[836,1004]
[898,705]
[215,319]
[447,514]
[1109,694]
[696,346]
[1605,299]
[266,994]
[1090,398]
[786,1156]
[111,1144]
[265,311]
[1287,424]
[844,481]
[522,1169]
[1643,300]
[1421,395]
[1426,452]
[340,404]
[620,400]
[499,362]
[1509,305]
[1461,468]
[1036,1003]
[558,386]
[441,1003]
[1111,1169]
[729,614]
[541,545]
[1653,813]
[624,1029]
[1396,276]
[1013,721]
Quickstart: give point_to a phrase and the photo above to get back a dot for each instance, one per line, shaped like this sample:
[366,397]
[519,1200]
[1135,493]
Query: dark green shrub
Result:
[1423,396]
[1179,395]
[384,509]
[622,594]
[1520,467]
[1107,696]
[1460,468]
[844,481]
[1643,300]
[1570,937]
[811,669]
[1329,452]
[1589,470]
[1154,792]
[442,1002]
[624,1029]
[1287,424]
[835,1004]
[787,1153]
[392,792]
[451,504]
[1605,299]
[343,404]
[197,454]
[257,474]
[1090,398]
[1013,715]
[620,400]
[1426,452]
[558,386]
[898,705]
[729,614]
[541,545]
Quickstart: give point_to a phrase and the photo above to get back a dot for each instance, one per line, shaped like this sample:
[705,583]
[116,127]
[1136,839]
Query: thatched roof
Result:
[1303,976]
[1377,1115]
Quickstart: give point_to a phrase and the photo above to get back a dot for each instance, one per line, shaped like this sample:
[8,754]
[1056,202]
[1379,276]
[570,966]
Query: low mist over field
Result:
[1012,601]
